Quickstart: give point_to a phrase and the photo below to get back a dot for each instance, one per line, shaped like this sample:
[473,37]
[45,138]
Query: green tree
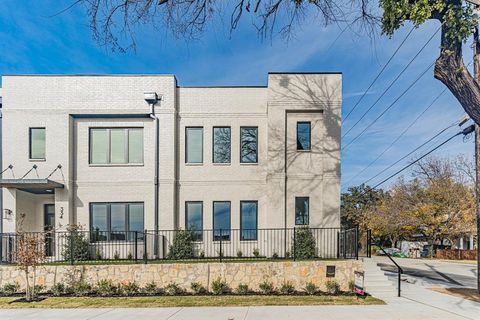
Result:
[356,202]
[182,245]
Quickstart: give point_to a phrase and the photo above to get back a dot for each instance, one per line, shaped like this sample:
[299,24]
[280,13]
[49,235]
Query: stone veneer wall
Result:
[251,273]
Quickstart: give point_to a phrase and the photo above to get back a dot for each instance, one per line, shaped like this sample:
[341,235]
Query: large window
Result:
[221,220]
[221,144]
[116,145]
[116,221]
[248,220]
[303,136]
[248,144]
[194,219]
[194,145]
[37,143]
[302,205]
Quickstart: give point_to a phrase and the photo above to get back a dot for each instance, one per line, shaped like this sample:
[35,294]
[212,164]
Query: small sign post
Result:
[358,287]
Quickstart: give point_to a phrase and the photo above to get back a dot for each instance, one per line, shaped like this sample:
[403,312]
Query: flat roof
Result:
[34,184]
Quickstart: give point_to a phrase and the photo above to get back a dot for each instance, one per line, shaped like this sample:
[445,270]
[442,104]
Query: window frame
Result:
[256,220]
[186,219]
[308,212]
[230,220]
[256,143]
[213,145]
[309,136]
[30,144]
[109,162]
[109,220]
[186,145]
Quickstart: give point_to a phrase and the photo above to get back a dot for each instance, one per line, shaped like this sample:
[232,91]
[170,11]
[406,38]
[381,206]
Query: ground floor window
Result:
[116,221]
[221,220]
[302,205]
[248,220]
[194,219]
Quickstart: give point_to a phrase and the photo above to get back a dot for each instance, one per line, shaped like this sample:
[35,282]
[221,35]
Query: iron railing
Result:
[217,245]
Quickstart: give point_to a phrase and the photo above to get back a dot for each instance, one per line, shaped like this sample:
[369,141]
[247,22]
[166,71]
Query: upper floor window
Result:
[248,220]
[194,145]
[302,205]
[37,144]
[248,144]
[116,221]
[221,144]
[194,219]
[303,136]
[116,145]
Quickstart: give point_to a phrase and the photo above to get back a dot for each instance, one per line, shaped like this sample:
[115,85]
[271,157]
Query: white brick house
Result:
[83,151]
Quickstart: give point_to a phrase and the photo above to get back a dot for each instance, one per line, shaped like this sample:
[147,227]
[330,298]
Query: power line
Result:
[379,74]
[399,136]
[465,131]
[392,83]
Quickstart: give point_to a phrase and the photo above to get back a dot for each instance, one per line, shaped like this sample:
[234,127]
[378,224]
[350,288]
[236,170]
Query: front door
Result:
[49,228]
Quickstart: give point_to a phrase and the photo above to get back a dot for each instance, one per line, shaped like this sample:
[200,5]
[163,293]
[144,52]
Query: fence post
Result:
[71,248]
[136,245]
[221,252]
[344,244]
[369,243]
[145,254]
[338,244]
[357,231]
[294,244]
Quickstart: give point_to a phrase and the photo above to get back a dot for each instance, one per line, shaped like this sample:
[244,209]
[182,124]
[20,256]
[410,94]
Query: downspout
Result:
[156,178]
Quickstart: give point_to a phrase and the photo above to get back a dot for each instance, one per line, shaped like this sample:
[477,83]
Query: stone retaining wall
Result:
[251,273]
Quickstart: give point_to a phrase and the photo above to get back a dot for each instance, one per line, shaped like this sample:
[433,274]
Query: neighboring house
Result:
[83,151]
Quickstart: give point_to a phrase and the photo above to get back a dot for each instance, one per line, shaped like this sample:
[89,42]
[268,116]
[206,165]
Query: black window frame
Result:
[256,143]
[30,143]
[186,144]
[220,238]
[309,135]
[196,234]
[242,238]
[307,215]
[95,236]
[213,144]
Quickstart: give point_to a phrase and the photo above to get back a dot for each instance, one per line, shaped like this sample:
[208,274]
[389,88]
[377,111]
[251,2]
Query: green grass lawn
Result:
[187,301]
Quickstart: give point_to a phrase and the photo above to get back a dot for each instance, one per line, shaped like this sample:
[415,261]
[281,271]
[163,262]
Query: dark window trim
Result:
[256,220]
[213,144]
[230,218]
[186,144]
[186,218]
[309,135]
[256,142]
[308,212]
[30,144]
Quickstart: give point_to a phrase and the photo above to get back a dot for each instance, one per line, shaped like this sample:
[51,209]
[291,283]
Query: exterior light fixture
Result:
[7,213]
[150,97]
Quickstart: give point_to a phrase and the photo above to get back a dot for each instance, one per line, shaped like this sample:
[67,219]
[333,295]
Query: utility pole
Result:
[476,70]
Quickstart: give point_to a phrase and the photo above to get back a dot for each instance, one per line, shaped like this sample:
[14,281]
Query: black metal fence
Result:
[217,245]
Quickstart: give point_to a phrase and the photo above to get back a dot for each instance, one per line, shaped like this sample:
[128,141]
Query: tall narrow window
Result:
[248,144]
[116,145]
[221,220]
[194,145]
[302,205]
[248,220]
[116,221]
[37,143]
[221,144]
[194,219]
[303,136]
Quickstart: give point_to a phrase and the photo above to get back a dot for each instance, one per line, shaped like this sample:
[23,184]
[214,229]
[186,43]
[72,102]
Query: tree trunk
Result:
[27,285]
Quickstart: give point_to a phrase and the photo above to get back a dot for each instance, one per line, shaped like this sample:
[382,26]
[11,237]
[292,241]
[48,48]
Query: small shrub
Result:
[351,285]
[275,255]
[76,244]
[201,254]
[151,289]
[256,253]
[242,289]
[129,256]
[333,287]
[116,256]
[106,288]
[81,288]
[219,286]
[287,288]
[11,288]
[38,288]
[310,288]
[266,287]
[58,289]
[304,244]
[182,246]
[197,288]
[173,289]
[239,253]
[129,288]
[287,255]
[98,255]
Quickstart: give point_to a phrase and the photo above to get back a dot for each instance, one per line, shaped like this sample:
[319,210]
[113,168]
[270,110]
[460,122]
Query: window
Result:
[221,144]
[194,219]
[248,220]
[221,220]
[116,145]
[303,136]
[37,143]
[248,144]
[116,221]
[301,210]
[194,145]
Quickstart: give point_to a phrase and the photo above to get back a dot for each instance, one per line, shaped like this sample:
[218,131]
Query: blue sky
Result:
[33,42]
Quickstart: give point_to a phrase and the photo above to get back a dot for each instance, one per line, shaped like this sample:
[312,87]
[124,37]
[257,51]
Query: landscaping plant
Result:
[75,244]
[333,287]
[197,288]
[129,288]
[182,246]
[58,289]
[219,286]
[11,288]
[310,288]
[242,289]
[256,253]
[266,287]
[106,288]
[304,244]
[151,289]
[81,288]
[173,289]
[287,288]
[239,253]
